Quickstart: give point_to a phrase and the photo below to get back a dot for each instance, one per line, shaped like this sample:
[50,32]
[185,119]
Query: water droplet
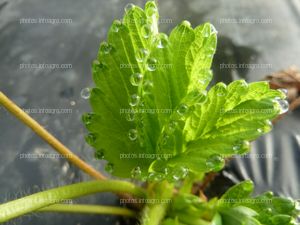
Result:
[85,93]
[136,172]
[147,86]
[161,41]
[213,30]
[116,26]
[141,55]
[205,33]
[105,48]
[165,139]
[215,162]
[284,91]
[130,116]
[109,167]
[283,105]
[221,89]
[186,23]
[241,147]
[86,118]
[136,79]
[259,130]
[267,210]
[150,9]
[268,126]
[72,103]
[146,30]
[129,6]
[134,100]
[154,176]
[91,138]
[171,127]
[269,194]
[180,173]
[132,134]
[99,154]
[151,64]
[182,109]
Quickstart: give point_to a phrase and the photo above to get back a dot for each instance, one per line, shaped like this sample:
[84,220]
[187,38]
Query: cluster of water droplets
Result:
[170,174]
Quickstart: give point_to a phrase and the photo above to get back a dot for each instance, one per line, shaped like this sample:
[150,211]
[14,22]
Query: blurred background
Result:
[262,36]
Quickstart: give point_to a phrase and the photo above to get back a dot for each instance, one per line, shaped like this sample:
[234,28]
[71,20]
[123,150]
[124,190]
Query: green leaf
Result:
[152,118]
[217,220]
[238,215]
[236,193]
[270,210]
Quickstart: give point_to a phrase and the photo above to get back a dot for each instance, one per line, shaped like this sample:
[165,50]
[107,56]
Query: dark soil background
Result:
[272,46]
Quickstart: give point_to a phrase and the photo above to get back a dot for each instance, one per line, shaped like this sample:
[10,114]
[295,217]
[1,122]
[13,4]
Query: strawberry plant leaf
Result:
[269,209]
[152,118]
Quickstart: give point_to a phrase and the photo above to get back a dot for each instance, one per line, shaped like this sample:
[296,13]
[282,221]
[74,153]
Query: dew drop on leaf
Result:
[180,173]
[283,105]
[182,109]
[105,48]
[109,167]
[161,41]
[213,30]
[165,139]
[136,172]
[269,194]
[186,23]
[147,86]
[267,210]
[284,91]
[99,154]
[241,147]
[151,9]
[151,64]
[130,116]
[134,100]
[268,126]
[154,176]
[90,138]
[116,26]
[86,118]
[146,31]
[215,162]
[171,127]
[85,93]
[136,79]
[132,134]
[259,130]
[129,6]
[141,54]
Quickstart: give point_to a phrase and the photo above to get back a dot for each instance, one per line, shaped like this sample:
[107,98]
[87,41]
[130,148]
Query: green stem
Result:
[161,194]
[89,209]
[39,200]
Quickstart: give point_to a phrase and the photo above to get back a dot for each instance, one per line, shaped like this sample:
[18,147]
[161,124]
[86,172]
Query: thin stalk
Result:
[39,200]
[88,209]
[49,138]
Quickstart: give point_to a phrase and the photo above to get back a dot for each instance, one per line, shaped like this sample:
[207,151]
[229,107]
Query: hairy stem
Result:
[161,195]
[89,209]
[49,138]
[39,200]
